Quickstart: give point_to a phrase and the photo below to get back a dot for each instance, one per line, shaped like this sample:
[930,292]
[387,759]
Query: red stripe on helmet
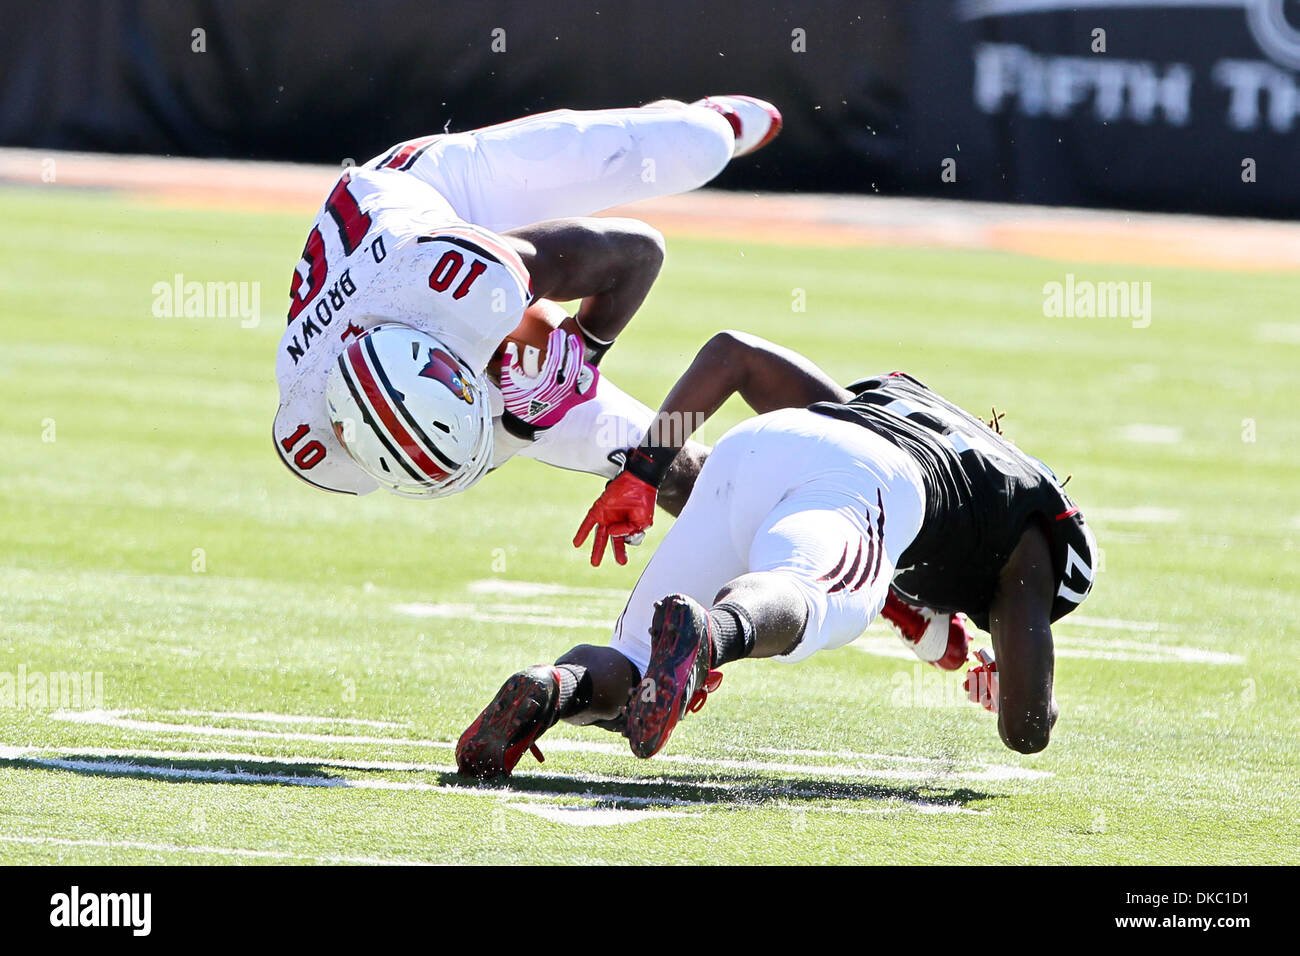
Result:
[379,402]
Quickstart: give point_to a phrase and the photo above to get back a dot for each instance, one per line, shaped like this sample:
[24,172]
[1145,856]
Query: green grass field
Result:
[284,671]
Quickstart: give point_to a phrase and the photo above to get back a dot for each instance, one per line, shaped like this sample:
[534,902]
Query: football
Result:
[539,320]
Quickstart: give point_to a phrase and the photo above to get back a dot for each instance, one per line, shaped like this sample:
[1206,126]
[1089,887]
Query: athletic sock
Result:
[575,690]
[733,633]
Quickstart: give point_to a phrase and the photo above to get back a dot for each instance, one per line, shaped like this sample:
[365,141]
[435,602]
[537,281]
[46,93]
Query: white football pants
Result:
[569,162]
[829,504]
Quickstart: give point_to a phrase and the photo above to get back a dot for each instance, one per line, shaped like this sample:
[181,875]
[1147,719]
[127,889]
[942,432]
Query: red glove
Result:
[981,683]
[626,507]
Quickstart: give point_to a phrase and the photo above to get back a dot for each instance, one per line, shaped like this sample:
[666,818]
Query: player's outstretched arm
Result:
[610,264]
[766,376]
[1020,620]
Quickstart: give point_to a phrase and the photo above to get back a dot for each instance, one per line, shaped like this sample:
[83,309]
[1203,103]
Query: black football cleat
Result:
[678,677]
[523,709]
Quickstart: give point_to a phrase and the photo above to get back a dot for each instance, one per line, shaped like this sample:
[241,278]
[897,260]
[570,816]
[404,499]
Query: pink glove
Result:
[563,381]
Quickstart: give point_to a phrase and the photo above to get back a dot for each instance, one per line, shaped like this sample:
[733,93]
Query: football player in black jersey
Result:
[803,524]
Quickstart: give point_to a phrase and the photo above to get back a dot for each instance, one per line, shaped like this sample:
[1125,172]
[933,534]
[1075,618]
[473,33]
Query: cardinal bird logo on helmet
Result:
[442,367]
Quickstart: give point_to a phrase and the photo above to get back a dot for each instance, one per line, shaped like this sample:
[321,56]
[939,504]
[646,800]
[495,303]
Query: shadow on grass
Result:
[733,788]
[670,789]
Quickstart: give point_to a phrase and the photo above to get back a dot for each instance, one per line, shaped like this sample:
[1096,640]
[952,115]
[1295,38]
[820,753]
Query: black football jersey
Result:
[981,492]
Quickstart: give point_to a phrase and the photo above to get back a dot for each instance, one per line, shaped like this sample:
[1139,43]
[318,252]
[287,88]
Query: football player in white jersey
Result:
[395,370]
[805,522]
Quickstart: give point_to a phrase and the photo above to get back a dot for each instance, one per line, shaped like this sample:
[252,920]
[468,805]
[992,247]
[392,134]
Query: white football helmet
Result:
[410,413]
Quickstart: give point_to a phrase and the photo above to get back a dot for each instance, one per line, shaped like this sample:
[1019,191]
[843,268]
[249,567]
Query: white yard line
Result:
[1118,624]
[592,816]
[545,615]
[393,766]
[521,606]
[522,615]
[530,589]
[1118,649]
[1144,434]
[558,745]
[199,774]
[986,772]
[118,719]
[918,806]
[882,646]
[839,754]
[273,718]
[1084,648]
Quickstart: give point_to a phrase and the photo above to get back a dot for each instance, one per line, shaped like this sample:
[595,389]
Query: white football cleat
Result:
[755,122]
[937,638]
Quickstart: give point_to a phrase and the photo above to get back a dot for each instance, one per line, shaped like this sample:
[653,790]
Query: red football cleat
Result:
[678,677]
[523,709]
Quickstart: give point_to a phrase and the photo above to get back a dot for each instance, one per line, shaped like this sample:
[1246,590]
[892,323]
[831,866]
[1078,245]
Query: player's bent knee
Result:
[775,606]
[582,655]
